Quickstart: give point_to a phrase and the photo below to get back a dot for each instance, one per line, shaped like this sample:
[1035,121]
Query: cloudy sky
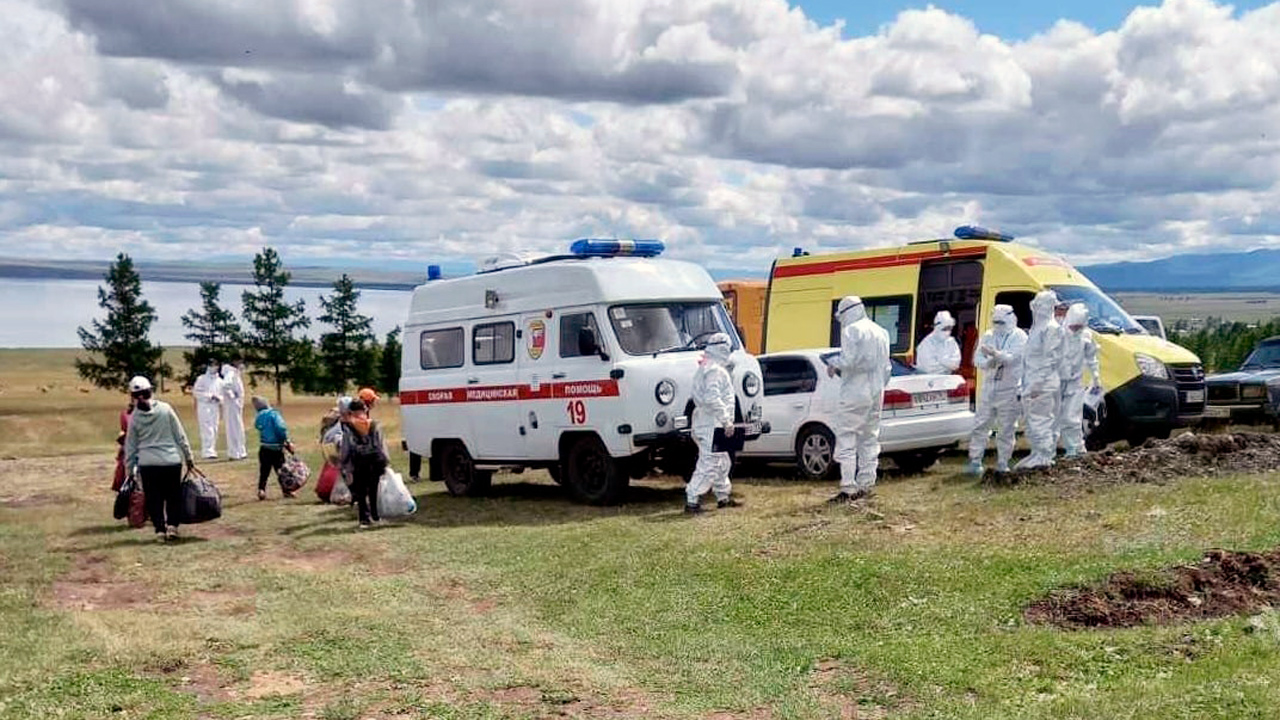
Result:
[435,130]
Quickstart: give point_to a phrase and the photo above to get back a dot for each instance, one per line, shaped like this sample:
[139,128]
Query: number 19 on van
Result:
[577,412]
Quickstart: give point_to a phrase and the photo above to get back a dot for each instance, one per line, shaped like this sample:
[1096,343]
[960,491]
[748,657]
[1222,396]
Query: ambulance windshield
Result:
[669,327]
[1104,314]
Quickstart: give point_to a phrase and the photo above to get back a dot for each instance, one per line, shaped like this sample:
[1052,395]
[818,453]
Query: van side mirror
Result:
[589,344]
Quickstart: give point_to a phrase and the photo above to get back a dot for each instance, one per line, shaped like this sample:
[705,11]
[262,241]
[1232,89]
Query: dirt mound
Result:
[1160,461]
[1223,583]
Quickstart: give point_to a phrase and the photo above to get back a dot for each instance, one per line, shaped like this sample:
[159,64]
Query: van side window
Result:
[493,344]
[439,349]
[1020,301]
[891,313]
[788,376]
[570,325]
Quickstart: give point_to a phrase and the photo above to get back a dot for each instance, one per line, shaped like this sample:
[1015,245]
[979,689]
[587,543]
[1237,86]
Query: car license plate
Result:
[1194,396]
[930,398]
[1216,411]
[753,428]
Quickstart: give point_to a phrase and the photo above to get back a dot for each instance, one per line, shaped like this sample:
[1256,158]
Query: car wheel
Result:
[593,476]
[556,474]
[914,462]
[815,453]
[461,478]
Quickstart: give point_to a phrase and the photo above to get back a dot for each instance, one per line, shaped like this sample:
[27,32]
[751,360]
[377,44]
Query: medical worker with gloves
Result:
[999,362]
[713,408]
[864,369]
[1041,386]
[939,353]
[1078,350]
[208,392]
[233,411]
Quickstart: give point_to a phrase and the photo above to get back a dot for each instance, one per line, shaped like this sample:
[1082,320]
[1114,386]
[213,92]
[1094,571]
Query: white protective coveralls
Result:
[999,363]
[1041,387]
[864,368]
[233,411]
[208,392]
[939,353]
[713,408]
[1078,350]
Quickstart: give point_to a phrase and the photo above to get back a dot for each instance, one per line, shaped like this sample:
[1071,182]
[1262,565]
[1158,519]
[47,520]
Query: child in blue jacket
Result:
[273,436]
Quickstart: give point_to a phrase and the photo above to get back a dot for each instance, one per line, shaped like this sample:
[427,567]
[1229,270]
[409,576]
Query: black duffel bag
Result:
[201,501]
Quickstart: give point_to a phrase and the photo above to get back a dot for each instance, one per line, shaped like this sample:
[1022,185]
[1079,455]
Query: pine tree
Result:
[123,338]
[390,363]
[346,353]
[272,321]
[213,329]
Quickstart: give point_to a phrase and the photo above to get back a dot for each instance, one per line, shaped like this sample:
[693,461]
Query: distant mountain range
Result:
[1251,271]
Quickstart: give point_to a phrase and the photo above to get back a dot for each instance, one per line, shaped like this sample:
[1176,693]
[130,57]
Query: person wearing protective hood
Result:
[939,353]
[864,369]
[1041,387]
[233,411]
[999,363]
[1078,350]
[208,392]
[713,408]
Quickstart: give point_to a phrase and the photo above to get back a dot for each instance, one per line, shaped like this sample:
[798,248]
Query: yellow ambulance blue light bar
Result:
[589,247]
[973,232]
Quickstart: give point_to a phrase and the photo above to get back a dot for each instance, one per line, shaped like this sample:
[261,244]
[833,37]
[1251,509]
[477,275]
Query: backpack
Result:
[366,450]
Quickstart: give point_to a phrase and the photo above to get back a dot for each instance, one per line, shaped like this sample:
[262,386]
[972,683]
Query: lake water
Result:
[46,313]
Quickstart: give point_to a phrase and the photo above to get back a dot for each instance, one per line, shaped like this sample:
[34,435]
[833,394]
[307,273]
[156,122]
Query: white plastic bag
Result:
[394,499]
[341,494]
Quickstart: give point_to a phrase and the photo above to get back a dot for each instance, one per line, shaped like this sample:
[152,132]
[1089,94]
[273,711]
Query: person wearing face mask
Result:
[1079,349]
[864,369]
[713,408]
[208,392]
[1041,387]
[232,402]
[999,363]
[939,353]
[156,448]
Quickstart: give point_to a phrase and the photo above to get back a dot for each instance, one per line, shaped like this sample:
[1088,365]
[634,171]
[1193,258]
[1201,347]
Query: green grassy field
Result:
[523,605]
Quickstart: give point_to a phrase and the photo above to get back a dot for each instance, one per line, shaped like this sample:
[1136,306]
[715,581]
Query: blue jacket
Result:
[272,431]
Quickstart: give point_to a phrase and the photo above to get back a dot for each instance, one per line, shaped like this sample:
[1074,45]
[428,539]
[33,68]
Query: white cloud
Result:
[735,129]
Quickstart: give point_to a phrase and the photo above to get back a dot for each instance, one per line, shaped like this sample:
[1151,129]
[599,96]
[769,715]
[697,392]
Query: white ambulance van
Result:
[580,364]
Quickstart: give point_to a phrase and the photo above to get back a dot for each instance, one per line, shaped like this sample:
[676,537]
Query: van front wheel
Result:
[460,475]
[593,475]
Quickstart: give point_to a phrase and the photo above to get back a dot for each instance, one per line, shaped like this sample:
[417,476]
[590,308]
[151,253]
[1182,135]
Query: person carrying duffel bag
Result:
[131,503]
[201,499]
[156,449]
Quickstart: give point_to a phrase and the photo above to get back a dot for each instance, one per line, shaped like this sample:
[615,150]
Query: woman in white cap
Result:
[156,448]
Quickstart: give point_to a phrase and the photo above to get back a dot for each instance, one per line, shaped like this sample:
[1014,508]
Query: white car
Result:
[923,414]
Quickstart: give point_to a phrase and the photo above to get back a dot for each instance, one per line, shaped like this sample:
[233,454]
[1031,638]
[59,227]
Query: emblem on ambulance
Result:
[537,338]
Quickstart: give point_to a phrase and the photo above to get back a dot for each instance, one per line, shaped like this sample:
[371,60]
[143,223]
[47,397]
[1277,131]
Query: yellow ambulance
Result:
[744,300]
[1152,385]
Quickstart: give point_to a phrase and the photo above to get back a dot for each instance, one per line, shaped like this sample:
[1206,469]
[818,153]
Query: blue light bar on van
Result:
[973,232]
[588,247]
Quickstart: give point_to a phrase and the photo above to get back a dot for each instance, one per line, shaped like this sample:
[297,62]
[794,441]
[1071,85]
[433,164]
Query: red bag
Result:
[118,481]
[137,509]
[324,484]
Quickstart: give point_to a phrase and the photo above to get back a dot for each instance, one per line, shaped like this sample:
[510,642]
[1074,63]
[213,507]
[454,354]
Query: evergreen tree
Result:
[306,375]
[347,354]
[123,338]
[390,363]
[272,321]
[213,329]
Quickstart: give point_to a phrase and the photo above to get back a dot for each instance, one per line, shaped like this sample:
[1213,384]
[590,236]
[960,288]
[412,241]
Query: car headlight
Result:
[751,384]
[1253,392]
[665,392]
[1151,367]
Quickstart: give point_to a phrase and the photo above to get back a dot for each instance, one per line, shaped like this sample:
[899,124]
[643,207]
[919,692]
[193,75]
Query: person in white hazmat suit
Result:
[713,400]
[864,369]
[233,411]
[1041,386]
[939,353]
[1079,349]
[208,392]
[999,363]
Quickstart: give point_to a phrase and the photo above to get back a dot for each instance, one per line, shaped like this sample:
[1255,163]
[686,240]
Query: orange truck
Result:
[745,300]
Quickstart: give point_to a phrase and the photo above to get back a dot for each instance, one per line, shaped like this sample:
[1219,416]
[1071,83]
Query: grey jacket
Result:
[155,437]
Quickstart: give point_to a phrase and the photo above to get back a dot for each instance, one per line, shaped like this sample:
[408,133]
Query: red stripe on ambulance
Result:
[503,393]
[884,261]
